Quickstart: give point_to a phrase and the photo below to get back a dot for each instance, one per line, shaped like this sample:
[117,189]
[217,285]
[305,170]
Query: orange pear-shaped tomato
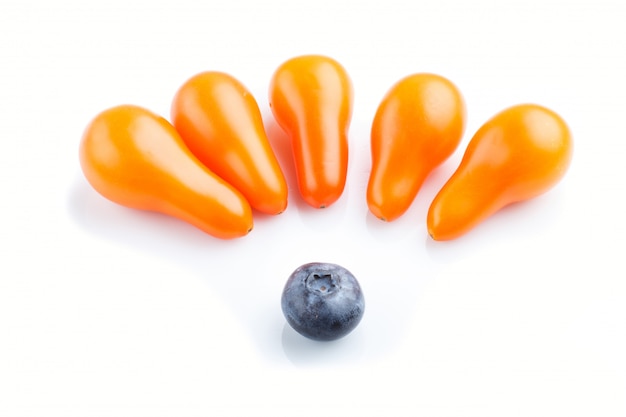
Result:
[311,98]
[418,125]
[518,154]
[137,159]
[220,121]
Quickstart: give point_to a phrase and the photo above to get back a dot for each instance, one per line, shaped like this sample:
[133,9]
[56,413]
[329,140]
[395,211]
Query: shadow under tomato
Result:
[281,145]
[523,220]
[136,228]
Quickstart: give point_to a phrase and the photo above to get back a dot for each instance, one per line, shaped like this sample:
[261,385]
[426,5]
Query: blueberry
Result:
[322,301]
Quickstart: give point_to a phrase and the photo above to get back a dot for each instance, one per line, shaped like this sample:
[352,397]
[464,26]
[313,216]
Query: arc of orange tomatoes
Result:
[214,164]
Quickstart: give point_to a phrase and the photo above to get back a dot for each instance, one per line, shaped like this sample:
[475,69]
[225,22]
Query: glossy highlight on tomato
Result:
[136,158]
[311,98]
[518,154]
[220,121]
[417,126]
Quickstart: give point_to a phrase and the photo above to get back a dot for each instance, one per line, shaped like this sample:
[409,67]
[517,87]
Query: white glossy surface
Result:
[109,311]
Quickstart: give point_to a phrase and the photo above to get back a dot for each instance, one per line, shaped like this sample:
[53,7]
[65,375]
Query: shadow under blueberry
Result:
[304,352]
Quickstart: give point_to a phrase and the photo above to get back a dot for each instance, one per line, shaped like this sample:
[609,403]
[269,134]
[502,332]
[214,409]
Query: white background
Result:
[106,311]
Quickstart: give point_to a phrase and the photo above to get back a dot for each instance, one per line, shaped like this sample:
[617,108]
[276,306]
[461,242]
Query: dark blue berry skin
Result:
[322,301]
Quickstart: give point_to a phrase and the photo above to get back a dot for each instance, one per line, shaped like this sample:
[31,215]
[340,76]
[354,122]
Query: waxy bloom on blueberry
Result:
[322,301]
